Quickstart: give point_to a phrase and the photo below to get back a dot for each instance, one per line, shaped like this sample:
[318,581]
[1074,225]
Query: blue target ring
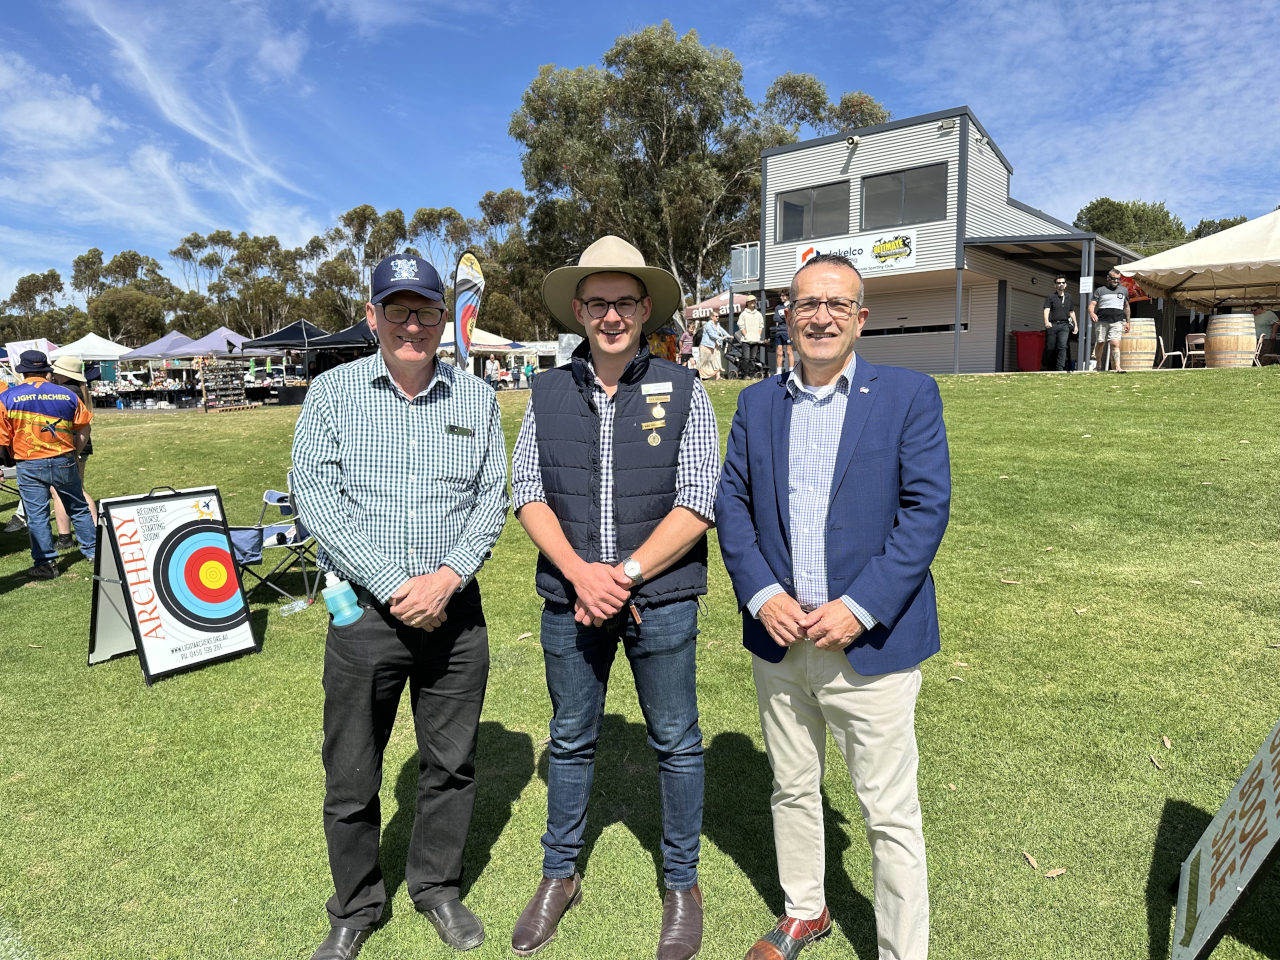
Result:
[196,578]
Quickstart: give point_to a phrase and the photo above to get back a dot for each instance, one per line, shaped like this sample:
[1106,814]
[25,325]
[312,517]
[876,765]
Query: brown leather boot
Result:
[537,924]
[681,937]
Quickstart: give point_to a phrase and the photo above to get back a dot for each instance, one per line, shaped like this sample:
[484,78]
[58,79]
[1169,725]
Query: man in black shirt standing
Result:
[1059,324]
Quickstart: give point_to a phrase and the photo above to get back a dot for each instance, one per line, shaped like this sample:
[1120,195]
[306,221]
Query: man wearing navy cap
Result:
[399,470]
[42,427]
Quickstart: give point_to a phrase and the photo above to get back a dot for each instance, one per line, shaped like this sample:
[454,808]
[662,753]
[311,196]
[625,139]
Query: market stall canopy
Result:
[156,348]
[91,347]
[356,335]
[717,305]
[298,335]
[1238,266]
[222,342]
[481,340]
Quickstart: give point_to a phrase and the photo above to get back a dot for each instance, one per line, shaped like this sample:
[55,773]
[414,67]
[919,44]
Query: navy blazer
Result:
[890,500]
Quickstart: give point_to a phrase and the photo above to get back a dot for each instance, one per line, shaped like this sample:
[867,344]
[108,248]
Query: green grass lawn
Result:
[1108,579]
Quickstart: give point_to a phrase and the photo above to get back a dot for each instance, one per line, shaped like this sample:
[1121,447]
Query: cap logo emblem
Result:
[404,270]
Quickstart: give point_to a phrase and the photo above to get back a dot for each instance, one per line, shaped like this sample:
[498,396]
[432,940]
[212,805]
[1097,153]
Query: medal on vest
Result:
[659,411]
[653,425]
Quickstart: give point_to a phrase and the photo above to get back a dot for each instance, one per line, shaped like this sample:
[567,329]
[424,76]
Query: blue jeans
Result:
[662,651]
[35,477]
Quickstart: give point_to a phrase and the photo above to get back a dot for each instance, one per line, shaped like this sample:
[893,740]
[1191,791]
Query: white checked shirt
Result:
[817,420]
[394,487]
[697,464]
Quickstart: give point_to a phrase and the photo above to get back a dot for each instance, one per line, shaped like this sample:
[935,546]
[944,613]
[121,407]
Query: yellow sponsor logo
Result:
[892,248]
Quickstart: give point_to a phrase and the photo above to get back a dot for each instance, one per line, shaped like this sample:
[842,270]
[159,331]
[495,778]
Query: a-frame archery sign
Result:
[166,584]
[1231,855]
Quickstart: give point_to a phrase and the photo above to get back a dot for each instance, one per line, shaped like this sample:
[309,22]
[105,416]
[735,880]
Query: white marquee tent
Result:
[91,347]
[1236,267]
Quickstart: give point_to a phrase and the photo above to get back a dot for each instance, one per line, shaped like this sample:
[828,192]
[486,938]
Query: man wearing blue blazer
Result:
[833,500]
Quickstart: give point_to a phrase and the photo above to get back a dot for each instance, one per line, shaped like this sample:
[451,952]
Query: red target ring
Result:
[210,575]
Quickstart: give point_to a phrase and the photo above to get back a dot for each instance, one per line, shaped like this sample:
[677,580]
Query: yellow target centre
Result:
[213,574]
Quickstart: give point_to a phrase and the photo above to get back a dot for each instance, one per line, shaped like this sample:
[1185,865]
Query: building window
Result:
[813,212]
[907,196]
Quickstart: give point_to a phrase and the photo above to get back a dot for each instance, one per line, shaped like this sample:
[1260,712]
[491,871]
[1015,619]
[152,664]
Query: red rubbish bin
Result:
[1030,348]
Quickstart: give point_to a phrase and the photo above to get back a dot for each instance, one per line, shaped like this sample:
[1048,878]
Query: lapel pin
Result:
[864,389]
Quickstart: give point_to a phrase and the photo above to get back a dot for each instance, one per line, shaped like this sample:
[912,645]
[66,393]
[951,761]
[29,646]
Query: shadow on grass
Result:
[1253,924]
[624,790]
[738,821]
[504,766]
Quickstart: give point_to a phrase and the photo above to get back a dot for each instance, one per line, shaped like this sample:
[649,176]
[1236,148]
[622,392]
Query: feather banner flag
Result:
[468,288]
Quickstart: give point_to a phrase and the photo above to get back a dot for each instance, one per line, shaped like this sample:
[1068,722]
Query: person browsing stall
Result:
[399,470]
[614,477]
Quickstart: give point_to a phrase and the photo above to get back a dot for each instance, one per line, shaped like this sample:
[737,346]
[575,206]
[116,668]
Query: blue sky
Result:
[129,124]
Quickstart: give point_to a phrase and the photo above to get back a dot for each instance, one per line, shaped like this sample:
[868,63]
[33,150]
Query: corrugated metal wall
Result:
[990,214]
[933,352]
[876,153]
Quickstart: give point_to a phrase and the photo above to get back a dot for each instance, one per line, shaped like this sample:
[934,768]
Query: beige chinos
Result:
[873,722]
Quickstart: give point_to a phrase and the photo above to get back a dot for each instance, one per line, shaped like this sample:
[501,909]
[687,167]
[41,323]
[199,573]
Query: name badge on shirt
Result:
[456,431]
[648,389]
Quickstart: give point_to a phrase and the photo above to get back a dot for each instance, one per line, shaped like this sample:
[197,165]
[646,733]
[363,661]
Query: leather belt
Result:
[367,599]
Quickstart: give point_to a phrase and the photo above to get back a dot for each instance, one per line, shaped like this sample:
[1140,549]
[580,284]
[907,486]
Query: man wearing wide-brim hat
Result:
[43,426]
[614,478]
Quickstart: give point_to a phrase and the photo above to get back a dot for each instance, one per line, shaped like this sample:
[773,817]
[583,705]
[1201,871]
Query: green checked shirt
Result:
[394,487]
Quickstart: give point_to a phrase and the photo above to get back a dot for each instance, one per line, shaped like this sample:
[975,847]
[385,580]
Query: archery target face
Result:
[196,577]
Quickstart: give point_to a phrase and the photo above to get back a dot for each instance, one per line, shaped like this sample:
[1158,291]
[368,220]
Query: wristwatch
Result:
[631,567]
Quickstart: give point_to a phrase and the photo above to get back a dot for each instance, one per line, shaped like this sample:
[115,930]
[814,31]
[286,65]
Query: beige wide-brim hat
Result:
[610,254]
[72,367]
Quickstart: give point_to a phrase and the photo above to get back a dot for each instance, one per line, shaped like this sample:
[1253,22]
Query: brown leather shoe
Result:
[681,924]
[789,937]
[537,924]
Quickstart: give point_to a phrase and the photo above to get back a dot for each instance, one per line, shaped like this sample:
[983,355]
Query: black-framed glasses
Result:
[598,308]
[426,316]
[838,308]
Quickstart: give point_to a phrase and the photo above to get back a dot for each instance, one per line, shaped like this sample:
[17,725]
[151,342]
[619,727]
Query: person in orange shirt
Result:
[43,428]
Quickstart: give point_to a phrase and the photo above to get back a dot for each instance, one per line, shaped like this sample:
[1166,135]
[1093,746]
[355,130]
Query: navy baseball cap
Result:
[404,271]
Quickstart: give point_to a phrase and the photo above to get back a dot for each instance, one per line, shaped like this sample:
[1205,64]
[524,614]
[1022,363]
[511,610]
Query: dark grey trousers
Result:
[366,667]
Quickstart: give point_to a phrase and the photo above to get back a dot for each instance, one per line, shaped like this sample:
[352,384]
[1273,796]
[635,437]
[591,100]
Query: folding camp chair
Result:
[288,538]
[9,480]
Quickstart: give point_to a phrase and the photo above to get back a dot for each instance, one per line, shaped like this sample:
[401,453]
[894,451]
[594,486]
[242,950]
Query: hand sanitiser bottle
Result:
[340,599]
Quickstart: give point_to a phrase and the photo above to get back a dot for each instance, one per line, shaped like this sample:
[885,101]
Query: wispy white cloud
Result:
[1157,101]
[40,110]
[162,54]
[66,159]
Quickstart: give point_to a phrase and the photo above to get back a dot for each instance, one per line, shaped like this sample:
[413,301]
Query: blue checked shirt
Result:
[394,487]
[817,420]
[697,465]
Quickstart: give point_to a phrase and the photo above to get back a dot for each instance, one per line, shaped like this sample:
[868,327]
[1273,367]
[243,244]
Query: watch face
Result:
[632,569]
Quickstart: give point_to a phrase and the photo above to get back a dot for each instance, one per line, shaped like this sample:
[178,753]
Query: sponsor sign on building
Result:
[881,252]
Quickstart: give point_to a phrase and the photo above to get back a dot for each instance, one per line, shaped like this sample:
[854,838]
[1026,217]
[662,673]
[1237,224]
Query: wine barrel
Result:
[1229,341]
[1138,346]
